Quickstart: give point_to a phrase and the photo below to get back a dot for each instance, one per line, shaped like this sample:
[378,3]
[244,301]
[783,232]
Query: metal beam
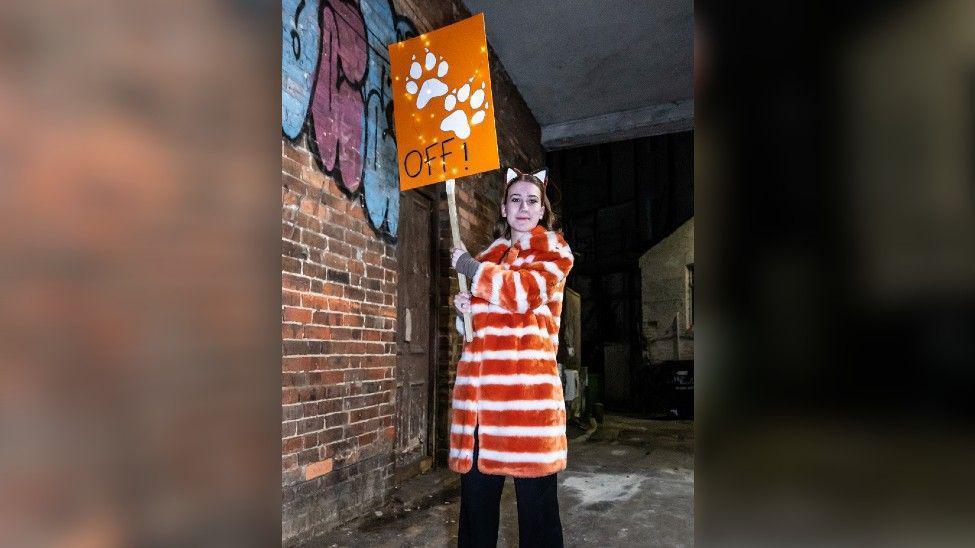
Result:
[621,125]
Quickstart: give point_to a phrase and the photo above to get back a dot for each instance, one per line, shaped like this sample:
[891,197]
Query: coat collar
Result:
[526,240]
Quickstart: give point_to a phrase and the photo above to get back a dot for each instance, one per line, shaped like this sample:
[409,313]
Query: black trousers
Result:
[539,524]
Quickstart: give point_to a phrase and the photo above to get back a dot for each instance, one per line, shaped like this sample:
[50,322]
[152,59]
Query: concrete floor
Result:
[631,483]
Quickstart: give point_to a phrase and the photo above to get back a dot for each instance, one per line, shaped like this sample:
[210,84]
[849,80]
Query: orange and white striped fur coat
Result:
[507,379]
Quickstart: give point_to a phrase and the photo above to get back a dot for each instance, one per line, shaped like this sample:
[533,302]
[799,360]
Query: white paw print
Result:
[457,120]
[432,86]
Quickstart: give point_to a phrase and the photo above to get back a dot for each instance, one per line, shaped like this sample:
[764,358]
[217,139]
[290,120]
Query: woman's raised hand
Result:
[455,253]
[462,302]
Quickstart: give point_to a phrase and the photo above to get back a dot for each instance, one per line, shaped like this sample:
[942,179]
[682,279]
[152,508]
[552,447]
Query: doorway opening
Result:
[627,211]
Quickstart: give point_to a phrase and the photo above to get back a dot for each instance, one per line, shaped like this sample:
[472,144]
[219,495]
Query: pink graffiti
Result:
[337,108]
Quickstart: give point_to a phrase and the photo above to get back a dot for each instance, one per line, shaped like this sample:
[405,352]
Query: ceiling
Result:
[597,70]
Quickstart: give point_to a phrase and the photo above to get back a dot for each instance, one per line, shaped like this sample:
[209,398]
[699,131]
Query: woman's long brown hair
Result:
[548,220]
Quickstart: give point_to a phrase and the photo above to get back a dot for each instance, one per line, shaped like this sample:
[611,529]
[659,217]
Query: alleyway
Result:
[631,483]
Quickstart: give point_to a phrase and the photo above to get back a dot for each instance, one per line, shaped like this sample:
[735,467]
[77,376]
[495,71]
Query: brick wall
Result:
[339,317]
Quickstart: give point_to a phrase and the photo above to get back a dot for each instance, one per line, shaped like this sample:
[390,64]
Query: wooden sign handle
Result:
[455,235]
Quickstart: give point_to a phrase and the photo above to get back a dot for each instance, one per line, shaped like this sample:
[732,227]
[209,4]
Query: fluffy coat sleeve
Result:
[525,286]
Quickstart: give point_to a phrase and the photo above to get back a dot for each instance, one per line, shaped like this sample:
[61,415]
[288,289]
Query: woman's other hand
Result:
[455,253]
[462,302]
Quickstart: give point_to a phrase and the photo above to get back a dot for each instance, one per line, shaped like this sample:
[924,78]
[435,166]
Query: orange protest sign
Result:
[443,108]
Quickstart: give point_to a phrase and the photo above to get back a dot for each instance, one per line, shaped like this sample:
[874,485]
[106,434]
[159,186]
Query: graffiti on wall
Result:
[299,59]
[335,87]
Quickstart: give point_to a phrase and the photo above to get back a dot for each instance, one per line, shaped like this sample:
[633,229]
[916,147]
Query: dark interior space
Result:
[617,201]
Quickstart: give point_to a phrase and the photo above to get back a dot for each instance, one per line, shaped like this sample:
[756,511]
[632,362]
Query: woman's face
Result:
[523,208]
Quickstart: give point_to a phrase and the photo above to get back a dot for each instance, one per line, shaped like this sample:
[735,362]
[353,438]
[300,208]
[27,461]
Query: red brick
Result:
[315,332]
[371,258]
[319,468]
[312,424]
[291,167]
[341,248]
[314,240]
[303,363]
[335,261]
[336,419]
[309,207]
[363,414]
[294,379]
[308,222]
[290,445]
[355,240]
[333,377]
[290,281]
[336,362]
[366,439]
[333,434]
[308,456]
[377,374]
[333,232]
[290,298]
[291,412]
[290,232]
[289,151]
[292,314]
[336,202]
[291,249]
[309,441]
[352,320]
[311,174]
[354,293]
[314,301]
[328,318]
[356,213]
[313,270]
[290,198]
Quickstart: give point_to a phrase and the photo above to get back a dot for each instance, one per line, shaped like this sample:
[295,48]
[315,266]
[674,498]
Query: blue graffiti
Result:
[301,36]
[380,176]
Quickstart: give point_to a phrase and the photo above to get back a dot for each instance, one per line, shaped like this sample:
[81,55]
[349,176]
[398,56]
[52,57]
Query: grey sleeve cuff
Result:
[467,265]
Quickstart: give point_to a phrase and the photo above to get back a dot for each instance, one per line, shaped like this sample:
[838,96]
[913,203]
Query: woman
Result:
[508,411]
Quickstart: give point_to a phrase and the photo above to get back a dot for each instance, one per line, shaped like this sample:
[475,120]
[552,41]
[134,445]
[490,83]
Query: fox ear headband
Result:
[513,174]
[541,175]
